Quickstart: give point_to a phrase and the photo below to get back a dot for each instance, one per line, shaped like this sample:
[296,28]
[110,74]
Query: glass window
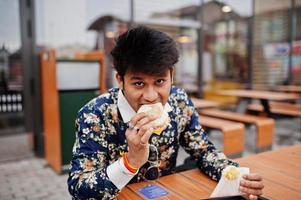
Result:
[178,19]
[11,85]
[296,51]
[226,39]
[80,29]
[271,42]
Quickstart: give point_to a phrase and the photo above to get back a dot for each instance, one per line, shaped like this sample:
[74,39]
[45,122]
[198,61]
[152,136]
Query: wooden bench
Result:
[264,126]
[287,109]
[202,104]
[290,106]
[233,133]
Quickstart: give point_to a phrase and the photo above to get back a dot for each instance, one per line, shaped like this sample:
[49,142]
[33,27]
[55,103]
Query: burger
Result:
[157,110]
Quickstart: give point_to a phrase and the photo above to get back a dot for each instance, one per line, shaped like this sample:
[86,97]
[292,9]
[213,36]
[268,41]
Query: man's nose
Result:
[150,95]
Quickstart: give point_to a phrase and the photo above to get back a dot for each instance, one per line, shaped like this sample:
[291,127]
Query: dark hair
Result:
[144,50]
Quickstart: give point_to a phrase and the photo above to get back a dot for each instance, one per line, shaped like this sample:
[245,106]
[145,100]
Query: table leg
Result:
[300,131]
[242,105]
[266,106]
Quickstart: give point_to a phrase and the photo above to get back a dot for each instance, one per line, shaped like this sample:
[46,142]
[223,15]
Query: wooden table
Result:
[280,169]
[264,97]
[289,88]
[202,104]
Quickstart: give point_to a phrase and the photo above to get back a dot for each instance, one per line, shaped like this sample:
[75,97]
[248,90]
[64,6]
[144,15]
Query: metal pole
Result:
[200,48]
[227,18]
[132,4]
[31,76]
[291,38]
[250,46]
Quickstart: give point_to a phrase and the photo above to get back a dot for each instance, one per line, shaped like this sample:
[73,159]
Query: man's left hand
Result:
[251,185]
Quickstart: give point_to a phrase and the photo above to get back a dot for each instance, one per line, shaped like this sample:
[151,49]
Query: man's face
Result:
[141,89]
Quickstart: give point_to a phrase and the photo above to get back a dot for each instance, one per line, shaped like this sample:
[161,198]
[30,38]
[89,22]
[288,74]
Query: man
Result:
[115,145]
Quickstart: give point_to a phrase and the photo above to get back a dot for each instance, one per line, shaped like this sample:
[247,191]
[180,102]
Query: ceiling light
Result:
[226,9]
[110,34]
[184,39]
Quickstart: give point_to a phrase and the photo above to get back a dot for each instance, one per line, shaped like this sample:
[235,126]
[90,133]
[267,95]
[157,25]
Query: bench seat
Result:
[264,126]
[233,134]
[288,109]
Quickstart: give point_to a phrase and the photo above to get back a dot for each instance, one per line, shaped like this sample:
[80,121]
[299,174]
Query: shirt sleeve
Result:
[89,175]
[119,174]
[195,142]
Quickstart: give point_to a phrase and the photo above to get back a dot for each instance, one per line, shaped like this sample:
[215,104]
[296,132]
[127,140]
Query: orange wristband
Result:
[128,165]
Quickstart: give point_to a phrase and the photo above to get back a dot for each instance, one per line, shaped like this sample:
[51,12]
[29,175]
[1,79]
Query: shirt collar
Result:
[127,112]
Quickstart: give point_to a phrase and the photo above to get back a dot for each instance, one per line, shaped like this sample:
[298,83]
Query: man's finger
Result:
[252,177]
[146,119]
[137,117]
[146,136]
[252,197]
[250,191]
[252,184]
[143,129]
[132,125]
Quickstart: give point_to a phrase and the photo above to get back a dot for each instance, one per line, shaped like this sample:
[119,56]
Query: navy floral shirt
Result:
[100,141]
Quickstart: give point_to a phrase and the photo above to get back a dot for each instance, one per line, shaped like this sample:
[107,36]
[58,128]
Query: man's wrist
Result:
[134,160]
[119,174]
[128,165]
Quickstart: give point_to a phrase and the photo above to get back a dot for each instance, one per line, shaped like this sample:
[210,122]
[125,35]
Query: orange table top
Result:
[259,94]
[281,170]
[289,88]
[201,103]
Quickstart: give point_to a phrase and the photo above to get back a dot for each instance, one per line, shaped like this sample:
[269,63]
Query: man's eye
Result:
[139,84]
[160,81]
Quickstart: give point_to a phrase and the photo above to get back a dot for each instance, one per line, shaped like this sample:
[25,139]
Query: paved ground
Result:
[14,148]
[31,179]
[24,176]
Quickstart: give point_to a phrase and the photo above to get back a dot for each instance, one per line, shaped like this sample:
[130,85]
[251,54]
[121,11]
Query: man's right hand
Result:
[137,138]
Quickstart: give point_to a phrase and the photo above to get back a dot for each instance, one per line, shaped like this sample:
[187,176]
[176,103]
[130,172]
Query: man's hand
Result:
[251,185]
[137,136]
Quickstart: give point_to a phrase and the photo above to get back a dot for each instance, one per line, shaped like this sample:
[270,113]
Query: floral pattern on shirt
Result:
[100,141]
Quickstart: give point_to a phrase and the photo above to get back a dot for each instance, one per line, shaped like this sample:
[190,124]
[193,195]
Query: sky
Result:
[9,24]
[65,22]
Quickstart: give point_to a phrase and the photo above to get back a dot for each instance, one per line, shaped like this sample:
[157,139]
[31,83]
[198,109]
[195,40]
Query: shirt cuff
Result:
[119,174]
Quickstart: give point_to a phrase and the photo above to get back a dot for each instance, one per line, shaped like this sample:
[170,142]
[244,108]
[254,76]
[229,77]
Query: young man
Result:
[115,145]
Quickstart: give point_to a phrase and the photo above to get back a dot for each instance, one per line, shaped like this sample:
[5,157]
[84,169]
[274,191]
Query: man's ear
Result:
[119,81]
[172,74]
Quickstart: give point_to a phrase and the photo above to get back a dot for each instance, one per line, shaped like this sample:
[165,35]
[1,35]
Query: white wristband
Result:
[119,174]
